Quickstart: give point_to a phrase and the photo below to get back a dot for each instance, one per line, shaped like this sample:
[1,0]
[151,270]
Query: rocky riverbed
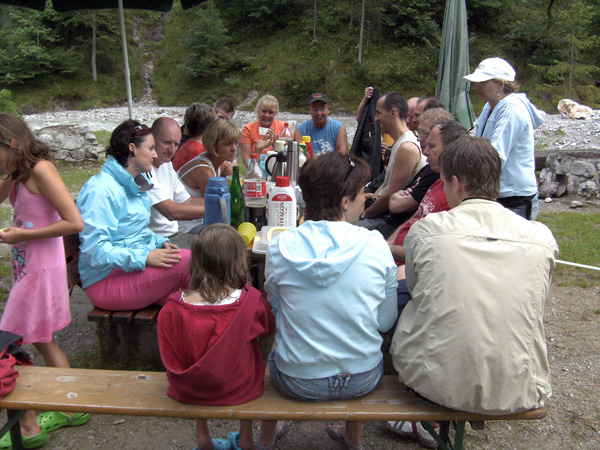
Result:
[556,133]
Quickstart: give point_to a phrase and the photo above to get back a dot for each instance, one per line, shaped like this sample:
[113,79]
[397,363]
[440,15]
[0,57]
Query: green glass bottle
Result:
[238,207]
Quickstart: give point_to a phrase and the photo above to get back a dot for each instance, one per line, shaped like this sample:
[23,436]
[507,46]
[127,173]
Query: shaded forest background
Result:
[289,48]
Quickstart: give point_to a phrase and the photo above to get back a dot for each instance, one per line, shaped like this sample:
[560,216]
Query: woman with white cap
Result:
[508,120]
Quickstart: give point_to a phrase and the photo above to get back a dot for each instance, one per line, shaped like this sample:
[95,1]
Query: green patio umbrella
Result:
[453,64]
[74,5]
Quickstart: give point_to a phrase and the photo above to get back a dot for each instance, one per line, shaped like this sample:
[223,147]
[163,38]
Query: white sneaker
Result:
[414,431]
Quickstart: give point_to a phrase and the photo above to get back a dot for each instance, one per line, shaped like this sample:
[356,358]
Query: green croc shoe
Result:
[28,442]
[53,420]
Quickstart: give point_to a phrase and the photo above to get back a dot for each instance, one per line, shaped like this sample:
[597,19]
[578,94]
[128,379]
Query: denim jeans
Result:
[343,386]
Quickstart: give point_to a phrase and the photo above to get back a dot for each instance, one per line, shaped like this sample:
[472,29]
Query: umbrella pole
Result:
[126,58]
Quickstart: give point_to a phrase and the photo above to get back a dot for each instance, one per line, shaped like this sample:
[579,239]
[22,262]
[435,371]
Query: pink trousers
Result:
[122,291]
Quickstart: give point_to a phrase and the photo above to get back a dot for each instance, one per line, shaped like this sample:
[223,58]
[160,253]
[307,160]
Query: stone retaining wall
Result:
[571,173]
[70,142]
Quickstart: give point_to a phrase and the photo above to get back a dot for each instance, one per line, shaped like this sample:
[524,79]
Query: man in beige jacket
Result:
[472,337]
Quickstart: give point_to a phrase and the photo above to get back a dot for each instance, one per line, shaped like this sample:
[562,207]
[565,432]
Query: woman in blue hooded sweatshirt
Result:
[332,287]
[123,264]
[508,120]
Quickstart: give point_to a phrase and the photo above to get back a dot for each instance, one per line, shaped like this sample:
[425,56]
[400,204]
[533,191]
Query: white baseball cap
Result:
[490,69]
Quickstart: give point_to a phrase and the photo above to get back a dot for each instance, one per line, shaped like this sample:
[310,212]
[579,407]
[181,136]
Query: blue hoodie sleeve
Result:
[100,216]
[388,310]
[273,297]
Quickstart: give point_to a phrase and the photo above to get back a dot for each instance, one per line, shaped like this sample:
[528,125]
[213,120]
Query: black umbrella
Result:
[74,5]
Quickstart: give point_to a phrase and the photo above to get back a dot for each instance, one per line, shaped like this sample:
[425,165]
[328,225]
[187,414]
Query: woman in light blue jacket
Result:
[508,120]
[332,287]
[123,264]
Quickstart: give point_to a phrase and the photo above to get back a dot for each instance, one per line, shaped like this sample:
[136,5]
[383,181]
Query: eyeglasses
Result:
[424,133]
[350,168]
[135,130]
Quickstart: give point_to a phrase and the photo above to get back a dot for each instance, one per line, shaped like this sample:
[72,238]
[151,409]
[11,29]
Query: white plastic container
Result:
[282,205]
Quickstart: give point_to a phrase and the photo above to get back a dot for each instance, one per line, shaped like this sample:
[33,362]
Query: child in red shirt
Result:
[208,334]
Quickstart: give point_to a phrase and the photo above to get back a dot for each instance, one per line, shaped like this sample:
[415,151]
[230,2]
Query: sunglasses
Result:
[350,168]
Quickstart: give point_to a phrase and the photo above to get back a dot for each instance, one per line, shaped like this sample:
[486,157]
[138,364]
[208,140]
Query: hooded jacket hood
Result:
[537,116]
[320,251]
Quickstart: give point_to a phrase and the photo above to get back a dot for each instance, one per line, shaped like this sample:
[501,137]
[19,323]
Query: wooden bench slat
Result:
[144,394]
[123,316]
[147,316]
[99,315]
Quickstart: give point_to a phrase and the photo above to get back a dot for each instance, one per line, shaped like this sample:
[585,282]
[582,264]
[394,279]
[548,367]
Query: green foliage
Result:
[572,28]
[29,46]
[415,20]
[6,103]
[207,54]
[230,47]
[251,17]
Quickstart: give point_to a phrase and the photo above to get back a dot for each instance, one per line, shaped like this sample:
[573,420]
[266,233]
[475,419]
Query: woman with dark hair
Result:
[197,118]
[332,287]
[123,264]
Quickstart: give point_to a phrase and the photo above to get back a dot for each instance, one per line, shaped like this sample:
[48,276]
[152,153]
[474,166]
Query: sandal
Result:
[333,432]
[234,440]
[220,444]
[34,441]
[53,420]
[283,427]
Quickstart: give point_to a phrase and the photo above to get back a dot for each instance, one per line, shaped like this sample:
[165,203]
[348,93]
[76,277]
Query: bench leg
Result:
[443,438]
[15,428]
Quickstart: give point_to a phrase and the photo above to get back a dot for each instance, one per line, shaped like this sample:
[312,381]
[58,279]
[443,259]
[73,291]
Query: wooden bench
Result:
[144,394]
[123,336]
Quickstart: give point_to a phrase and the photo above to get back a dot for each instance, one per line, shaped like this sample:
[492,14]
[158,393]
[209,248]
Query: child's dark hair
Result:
[219,262]
[24,149]
[129,132]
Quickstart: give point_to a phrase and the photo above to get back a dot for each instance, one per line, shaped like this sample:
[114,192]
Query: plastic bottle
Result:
[286,134]
[238,207]
[282,204]
[309,150]
[217,202]
[255,193]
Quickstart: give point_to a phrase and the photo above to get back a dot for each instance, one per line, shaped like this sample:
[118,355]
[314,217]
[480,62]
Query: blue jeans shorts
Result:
[343,386]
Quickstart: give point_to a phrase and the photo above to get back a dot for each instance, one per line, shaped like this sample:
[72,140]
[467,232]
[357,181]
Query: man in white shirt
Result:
[170,201]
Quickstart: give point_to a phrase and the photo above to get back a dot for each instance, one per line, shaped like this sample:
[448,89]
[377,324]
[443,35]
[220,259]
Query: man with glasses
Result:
[325,134]
[411,121]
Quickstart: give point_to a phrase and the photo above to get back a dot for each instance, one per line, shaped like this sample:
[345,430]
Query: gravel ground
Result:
[573,337]
[556,133]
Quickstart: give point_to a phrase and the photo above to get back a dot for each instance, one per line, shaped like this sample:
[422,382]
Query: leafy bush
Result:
[6,103]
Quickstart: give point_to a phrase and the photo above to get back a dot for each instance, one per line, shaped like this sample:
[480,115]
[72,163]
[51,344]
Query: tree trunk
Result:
[572,68]
[362,29]
[351,15]
[94,73]
[315,22]
[11,41]
[549,13]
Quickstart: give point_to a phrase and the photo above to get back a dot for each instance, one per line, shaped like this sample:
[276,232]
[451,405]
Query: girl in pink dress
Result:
[38,303]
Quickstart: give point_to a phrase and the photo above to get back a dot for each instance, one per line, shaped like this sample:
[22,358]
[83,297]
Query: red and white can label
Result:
[255,188]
